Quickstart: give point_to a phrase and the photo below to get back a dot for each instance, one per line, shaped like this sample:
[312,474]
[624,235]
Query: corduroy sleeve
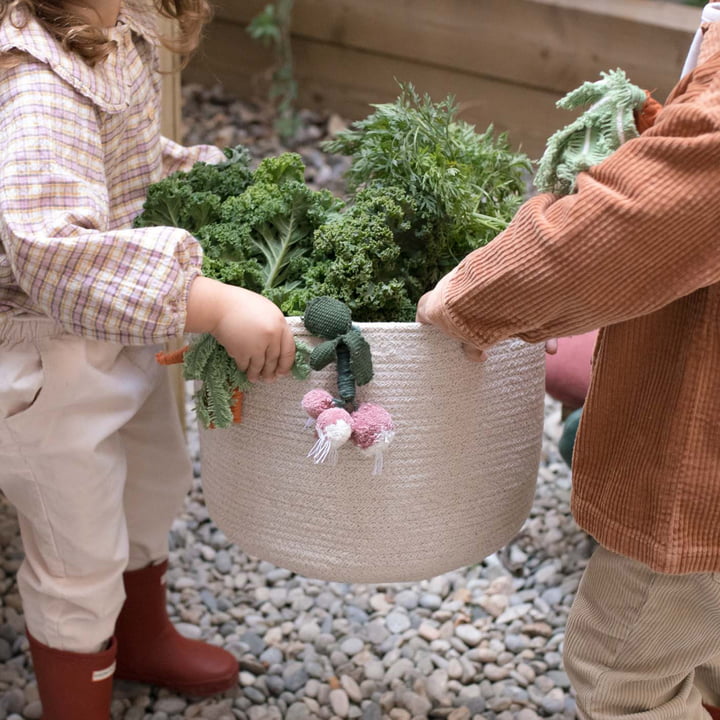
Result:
[641,232]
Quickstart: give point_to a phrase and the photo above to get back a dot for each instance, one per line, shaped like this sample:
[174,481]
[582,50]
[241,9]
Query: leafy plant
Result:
[360,257]
[272,27]
[264,234]
[191,200]
[465,186]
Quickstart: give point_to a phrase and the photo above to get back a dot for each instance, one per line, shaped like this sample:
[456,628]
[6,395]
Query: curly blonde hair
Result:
[90,42]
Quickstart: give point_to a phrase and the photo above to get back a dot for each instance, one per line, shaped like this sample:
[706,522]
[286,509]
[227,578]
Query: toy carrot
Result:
[171,357]
[175,357]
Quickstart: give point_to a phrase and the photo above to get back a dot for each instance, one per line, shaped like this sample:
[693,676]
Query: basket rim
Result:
[297,321]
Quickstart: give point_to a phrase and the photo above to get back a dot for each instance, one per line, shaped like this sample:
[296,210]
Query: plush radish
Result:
[333,428]
[314,402]
[372,431]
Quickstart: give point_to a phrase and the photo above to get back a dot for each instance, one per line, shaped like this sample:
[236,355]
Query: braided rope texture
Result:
[458,480]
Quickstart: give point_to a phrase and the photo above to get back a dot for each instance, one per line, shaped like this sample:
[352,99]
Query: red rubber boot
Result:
[73,685]
[151,650]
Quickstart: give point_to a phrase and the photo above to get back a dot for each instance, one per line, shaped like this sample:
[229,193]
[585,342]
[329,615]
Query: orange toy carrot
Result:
[171,357]
[646,116]
[237,406]
[175,357]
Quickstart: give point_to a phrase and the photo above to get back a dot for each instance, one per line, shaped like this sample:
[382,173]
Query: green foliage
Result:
[425,189]
[271,27]
[264,236]
[607,122]
[465,186]
[358,259]
[191,200]
[208,361]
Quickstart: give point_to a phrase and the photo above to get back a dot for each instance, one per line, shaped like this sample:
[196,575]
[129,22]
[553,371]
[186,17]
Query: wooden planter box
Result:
[506,61]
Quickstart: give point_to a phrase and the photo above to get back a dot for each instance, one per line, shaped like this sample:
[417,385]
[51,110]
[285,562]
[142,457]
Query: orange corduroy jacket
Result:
[635,251]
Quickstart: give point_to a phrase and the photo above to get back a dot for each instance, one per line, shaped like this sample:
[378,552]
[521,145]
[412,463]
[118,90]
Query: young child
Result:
[635,251]
[91,450]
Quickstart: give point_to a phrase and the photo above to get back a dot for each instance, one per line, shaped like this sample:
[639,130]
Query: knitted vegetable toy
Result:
[337,419]
[599,131]
[329,318]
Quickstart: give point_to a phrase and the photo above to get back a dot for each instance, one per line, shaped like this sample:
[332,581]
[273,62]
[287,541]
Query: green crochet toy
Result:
[328,318]
[338,419]
[594,135]
[218,402]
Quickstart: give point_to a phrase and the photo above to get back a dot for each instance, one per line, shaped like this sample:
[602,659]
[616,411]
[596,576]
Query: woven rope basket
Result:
[458,480]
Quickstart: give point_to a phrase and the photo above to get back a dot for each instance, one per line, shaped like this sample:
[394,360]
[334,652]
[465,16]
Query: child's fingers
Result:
[254,367]
[272,356]
[287,353]
[473,353]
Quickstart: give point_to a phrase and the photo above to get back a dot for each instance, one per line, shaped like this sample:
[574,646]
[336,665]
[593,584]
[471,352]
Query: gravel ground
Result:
[481,642]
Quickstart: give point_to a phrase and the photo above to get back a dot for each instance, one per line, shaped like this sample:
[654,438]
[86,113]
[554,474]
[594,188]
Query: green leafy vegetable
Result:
[358,258]
[191,200]
[465,186]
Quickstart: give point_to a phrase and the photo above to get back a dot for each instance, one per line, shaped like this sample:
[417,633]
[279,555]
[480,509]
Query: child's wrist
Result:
[203,305]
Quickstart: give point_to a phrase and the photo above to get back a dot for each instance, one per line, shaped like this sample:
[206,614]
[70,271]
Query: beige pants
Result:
[93,457]
[643,645]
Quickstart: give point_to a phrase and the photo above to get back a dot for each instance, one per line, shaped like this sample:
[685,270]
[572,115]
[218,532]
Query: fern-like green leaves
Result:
[606,124]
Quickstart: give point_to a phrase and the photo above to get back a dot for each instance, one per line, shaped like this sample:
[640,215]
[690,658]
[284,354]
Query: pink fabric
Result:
[369,423]
[333,416]
[315,401]
[567,373]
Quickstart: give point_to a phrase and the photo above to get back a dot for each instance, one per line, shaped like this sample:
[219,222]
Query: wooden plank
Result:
[170,125]
[649,12]
[346,81]
[171,112]
[549,44]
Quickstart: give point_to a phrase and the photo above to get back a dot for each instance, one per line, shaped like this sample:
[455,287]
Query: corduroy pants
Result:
[641,644]
[93,457]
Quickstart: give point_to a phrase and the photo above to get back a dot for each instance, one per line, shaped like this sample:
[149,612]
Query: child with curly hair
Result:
[91,448]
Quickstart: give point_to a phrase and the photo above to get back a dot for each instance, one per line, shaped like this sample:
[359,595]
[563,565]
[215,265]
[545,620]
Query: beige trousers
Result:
[641,644]
[93,457]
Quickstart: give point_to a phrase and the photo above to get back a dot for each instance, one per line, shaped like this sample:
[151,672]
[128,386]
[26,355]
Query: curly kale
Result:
[191,200]
[357,257]
[264,236]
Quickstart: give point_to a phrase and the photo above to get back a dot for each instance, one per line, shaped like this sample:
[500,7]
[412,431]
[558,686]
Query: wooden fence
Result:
[506,61]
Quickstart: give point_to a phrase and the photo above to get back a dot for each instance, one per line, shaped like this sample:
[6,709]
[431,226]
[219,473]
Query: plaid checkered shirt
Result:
[80,146]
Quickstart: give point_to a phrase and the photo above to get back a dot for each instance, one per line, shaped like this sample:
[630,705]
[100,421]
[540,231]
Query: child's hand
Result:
[250,327]
[430,305]
[430,312]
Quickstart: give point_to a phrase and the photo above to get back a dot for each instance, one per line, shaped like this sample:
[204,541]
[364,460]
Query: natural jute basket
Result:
[458,480]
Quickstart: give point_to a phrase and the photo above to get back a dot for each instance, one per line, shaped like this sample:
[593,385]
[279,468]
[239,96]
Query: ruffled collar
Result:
[104,83]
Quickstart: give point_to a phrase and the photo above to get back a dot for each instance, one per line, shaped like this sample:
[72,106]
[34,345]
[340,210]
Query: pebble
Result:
[469,634]
[479,642]
[339,702]
[397,622]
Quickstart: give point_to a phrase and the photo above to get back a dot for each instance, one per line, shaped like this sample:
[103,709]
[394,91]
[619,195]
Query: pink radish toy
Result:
[314,402]
[333,428]
[372,431]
